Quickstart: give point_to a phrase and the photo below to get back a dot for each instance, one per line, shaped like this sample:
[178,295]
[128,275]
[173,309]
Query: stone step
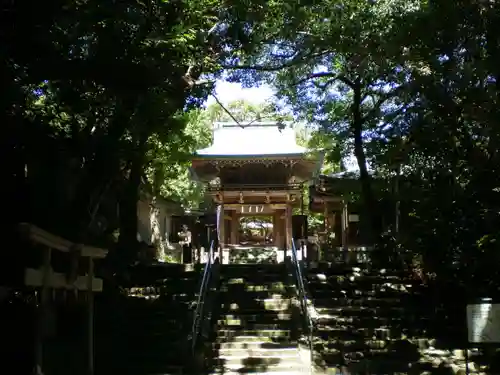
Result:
[361,311]
[258,365]
[339,267]
[264,279]
[272,309]
[351,345]
[373,365]
[259,353]
[261,372]
[249,340]
[358,278]
[352,289]
[239,278]
[225,334]
[263,359]
[252,267]
[258,306]
[254,343]
[362,322]
[365,320]
[333,302]
[185,297]
[237,284]
[355,293]
[264,318]
[376,363]
[251,296]
[244,326]
[354,285]
[368,344]
[359,333]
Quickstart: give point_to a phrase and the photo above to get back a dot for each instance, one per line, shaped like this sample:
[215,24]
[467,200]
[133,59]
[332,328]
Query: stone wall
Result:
[155,224]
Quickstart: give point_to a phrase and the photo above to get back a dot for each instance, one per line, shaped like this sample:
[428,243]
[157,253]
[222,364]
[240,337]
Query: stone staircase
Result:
[255,323]
[372,322]
[144,331]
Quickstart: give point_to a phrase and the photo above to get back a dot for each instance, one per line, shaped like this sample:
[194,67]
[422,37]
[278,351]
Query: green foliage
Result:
[98,96]
[247,113]
[409,91]
[169,160]
[102,97]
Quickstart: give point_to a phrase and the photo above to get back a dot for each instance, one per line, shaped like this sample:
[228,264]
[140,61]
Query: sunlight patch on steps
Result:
[143,292]
[276,304]
[228,335]
[234,306]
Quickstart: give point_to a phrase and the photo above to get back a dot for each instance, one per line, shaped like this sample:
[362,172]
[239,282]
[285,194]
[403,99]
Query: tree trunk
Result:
[103,168]
[369,219]
[128,245]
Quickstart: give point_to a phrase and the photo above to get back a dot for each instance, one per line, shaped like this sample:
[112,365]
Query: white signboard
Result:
[353,218]
[483,323]
[219,213]
[250,209]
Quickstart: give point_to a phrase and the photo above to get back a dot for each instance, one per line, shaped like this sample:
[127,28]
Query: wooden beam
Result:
[249,193]
[90,279]
[57,243]
[35,277]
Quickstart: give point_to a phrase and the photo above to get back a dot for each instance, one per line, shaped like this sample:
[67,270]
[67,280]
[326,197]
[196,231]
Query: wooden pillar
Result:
[90,316]
[275,228]
[345,226]
[234,227]
[278,230]
[325,216]
[221,225]
[288,227]
[42,311]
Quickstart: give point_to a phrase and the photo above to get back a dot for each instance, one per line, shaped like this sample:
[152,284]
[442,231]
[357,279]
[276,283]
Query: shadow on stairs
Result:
[254,323]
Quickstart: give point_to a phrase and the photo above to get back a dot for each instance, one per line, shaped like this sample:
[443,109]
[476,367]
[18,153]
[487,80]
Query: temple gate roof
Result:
[260,153]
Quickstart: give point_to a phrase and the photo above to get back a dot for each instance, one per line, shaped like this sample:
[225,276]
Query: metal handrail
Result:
[303,302]
[199,311]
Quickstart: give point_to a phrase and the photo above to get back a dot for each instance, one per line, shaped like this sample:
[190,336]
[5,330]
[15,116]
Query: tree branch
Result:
[261,68]
[383,97]
[227,110]
[333,76]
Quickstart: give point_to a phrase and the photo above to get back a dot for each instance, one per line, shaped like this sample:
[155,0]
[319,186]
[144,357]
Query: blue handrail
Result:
[200,304]
[303,302]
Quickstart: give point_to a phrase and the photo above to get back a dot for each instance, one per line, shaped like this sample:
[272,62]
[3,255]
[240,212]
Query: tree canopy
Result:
[100,99]
[413,94]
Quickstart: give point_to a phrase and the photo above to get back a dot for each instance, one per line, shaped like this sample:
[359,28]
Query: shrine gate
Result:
[257,170]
